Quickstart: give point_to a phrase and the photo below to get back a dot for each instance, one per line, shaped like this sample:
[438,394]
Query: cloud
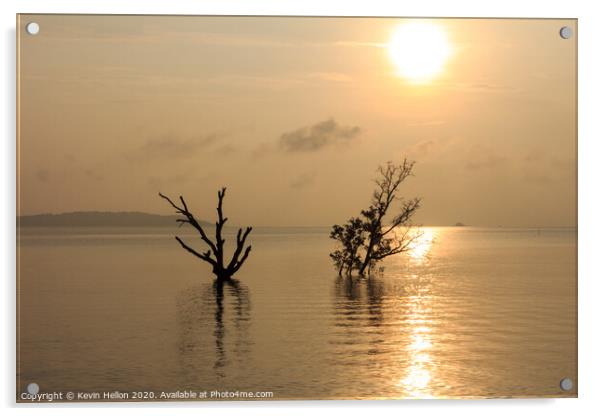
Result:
[157,35]
[157,182]
[425,123]
[170,146]
[275,83]
[489,162]
[544,170]
[261,150]
[303,181]
[422,149]
[330,76]
[477,87]
[353,44]
[315,137]
[278,83]
[67,172]
[225,150]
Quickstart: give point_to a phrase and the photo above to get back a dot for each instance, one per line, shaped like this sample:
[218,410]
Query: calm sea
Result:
[468,312]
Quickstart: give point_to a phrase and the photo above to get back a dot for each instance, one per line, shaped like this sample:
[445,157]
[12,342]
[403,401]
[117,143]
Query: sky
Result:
[294,115]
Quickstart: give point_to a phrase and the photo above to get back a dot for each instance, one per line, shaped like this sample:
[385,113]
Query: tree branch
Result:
[404,216]
[219,241]
[240,243]
[242,260]
[189,218]
[205,256]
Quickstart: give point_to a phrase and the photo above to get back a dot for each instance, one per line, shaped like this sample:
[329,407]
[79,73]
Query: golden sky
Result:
[294,115]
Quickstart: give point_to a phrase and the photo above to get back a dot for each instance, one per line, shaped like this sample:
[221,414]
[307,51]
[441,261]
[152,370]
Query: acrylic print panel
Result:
[350,208]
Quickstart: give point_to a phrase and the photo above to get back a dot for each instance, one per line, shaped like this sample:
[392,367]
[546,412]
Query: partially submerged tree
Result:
[366,240]
[351,237]
[223,270]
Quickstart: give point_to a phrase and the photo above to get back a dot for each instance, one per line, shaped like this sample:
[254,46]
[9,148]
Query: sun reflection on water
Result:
[416,380]
[420,343]
[418,376]
[421,246]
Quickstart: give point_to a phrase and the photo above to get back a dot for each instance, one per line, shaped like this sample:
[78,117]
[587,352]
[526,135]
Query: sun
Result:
[419,50]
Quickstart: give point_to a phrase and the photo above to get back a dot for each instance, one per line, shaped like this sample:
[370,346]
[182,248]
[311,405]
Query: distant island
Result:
[460,224]
[99,219]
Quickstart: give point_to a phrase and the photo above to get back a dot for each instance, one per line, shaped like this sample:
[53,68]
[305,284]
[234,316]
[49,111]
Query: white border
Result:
[590,200]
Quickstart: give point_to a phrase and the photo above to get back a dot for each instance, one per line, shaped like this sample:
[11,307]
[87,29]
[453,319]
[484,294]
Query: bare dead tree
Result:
[215,253]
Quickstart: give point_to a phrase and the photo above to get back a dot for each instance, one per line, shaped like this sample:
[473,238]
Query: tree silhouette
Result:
[215,254]
[351,237]
[366,240]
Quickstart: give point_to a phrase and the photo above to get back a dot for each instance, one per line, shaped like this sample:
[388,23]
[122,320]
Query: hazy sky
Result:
[294,115]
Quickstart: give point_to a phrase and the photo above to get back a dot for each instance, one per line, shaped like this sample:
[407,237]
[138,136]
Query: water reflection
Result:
[429,327]
[360,297]
[390,315]
[213,327]
[420,247]
[418,360]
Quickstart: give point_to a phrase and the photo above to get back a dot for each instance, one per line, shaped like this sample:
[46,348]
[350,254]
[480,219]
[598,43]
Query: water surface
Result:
[469,312]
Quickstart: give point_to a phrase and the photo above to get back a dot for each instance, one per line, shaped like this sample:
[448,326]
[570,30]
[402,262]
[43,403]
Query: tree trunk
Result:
[222,276]
[367,259]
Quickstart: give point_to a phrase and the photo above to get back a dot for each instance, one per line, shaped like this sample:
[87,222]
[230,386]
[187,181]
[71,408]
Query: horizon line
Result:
[210,223]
